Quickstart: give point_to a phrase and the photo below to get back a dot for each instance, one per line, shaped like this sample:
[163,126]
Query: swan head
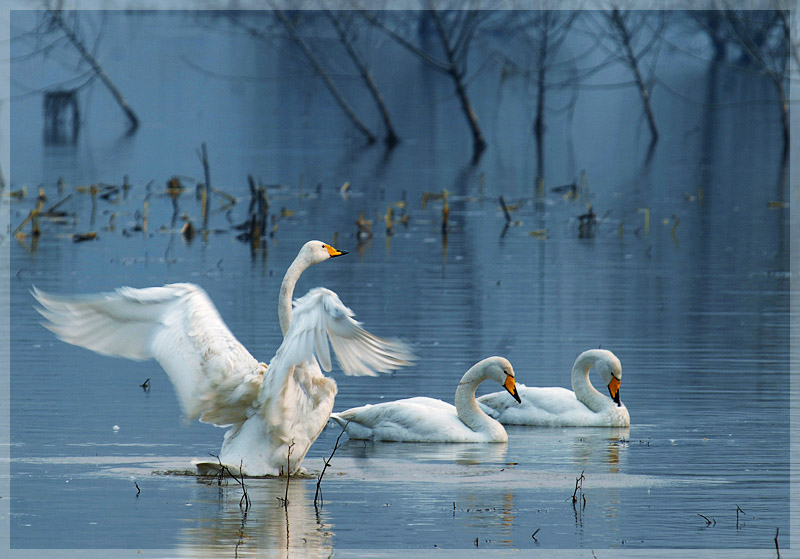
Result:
[610,369]
[314,252]
[500,370]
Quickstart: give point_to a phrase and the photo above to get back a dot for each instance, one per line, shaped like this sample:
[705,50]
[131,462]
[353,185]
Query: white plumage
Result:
[275,412]
[583,406]
[423,419]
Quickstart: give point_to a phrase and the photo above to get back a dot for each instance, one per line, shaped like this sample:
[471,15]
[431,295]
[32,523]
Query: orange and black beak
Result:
[613,389]
[334,251]
[511,386]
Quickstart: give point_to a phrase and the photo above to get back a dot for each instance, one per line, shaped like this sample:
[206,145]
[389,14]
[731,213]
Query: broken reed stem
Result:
[777,549]
[318,492]
[229,197]
[34,213]
[207,186]
[57,204]
[445,212]
[505,210]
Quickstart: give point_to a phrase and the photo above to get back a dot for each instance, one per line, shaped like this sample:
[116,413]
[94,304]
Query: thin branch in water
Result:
[578,487]
[327,462]
[709,521]
[285,501]
[245,497]
[244,501]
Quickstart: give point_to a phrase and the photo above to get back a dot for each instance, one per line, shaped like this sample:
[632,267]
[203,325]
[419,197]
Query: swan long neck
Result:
[467,406]
[584,391]
[287,292]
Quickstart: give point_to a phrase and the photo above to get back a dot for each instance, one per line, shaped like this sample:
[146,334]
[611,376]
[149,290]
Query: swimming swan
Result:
[559,407]
[424,419]
[274,412]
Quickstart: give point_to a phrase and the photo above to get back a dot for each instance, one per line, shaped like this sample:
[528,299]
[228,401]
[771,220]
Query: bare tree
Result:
[455,31]
[57,19]
[766,42]
[390,139]
[623,30]
[536,57]
[340,100]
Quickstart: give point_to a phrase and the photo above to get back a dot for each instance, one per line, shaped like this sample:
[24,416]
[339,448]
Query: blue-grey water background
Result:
[686,279]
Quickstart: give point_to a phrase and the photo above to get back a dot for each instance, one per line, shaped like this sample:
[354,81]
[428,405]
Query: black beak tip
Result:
[342,253]
[516,397]
[616,399]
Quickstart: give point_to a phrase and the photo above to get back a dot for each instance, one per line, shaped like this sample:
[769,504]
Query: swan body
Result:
[583,406]
[274,412]
[423,419]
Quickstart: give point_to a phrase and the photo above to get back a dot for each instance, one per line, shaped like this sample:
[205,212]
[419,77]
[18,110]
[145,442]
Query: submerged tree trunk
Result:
[633,63]
[541,71]
[78,44]
[391,139]
[478,143]
[325,78]
[776,68]
[450,67]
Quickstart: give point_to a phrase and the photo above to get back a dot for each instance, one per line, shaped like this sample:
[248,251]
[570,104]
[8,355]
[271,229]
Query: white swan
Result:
[276,412]
[559,407]
[424,419]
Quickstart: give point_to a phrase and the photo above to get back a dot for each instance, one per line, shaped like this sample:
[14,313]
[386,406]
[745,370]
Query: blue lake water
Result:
[686,278]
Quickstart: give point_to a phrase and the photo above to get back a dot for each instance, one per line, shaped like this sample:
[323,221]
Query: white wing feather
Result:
[294,387]
[215,377]
[320,316]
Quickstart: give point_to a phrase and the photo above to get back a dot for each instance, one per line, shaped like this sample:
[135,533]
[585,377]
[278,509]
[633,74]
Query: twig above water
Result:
[327,462]
[709,521]
[285,501]
[244,501]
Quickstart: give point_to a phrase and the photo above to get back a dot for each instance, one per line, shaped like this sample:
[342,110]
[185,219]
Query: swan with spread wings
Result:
[274,412]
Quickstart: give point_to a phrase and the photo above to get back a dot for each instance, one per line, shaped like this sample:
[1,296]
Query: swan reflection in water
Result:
[598,449]
[368,453]
[266,526]
[535,448]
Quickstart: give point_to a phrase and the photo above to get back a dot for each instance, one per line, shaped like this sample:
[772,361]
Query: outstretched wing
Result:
[215,377]
[296,398]
[320,316]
